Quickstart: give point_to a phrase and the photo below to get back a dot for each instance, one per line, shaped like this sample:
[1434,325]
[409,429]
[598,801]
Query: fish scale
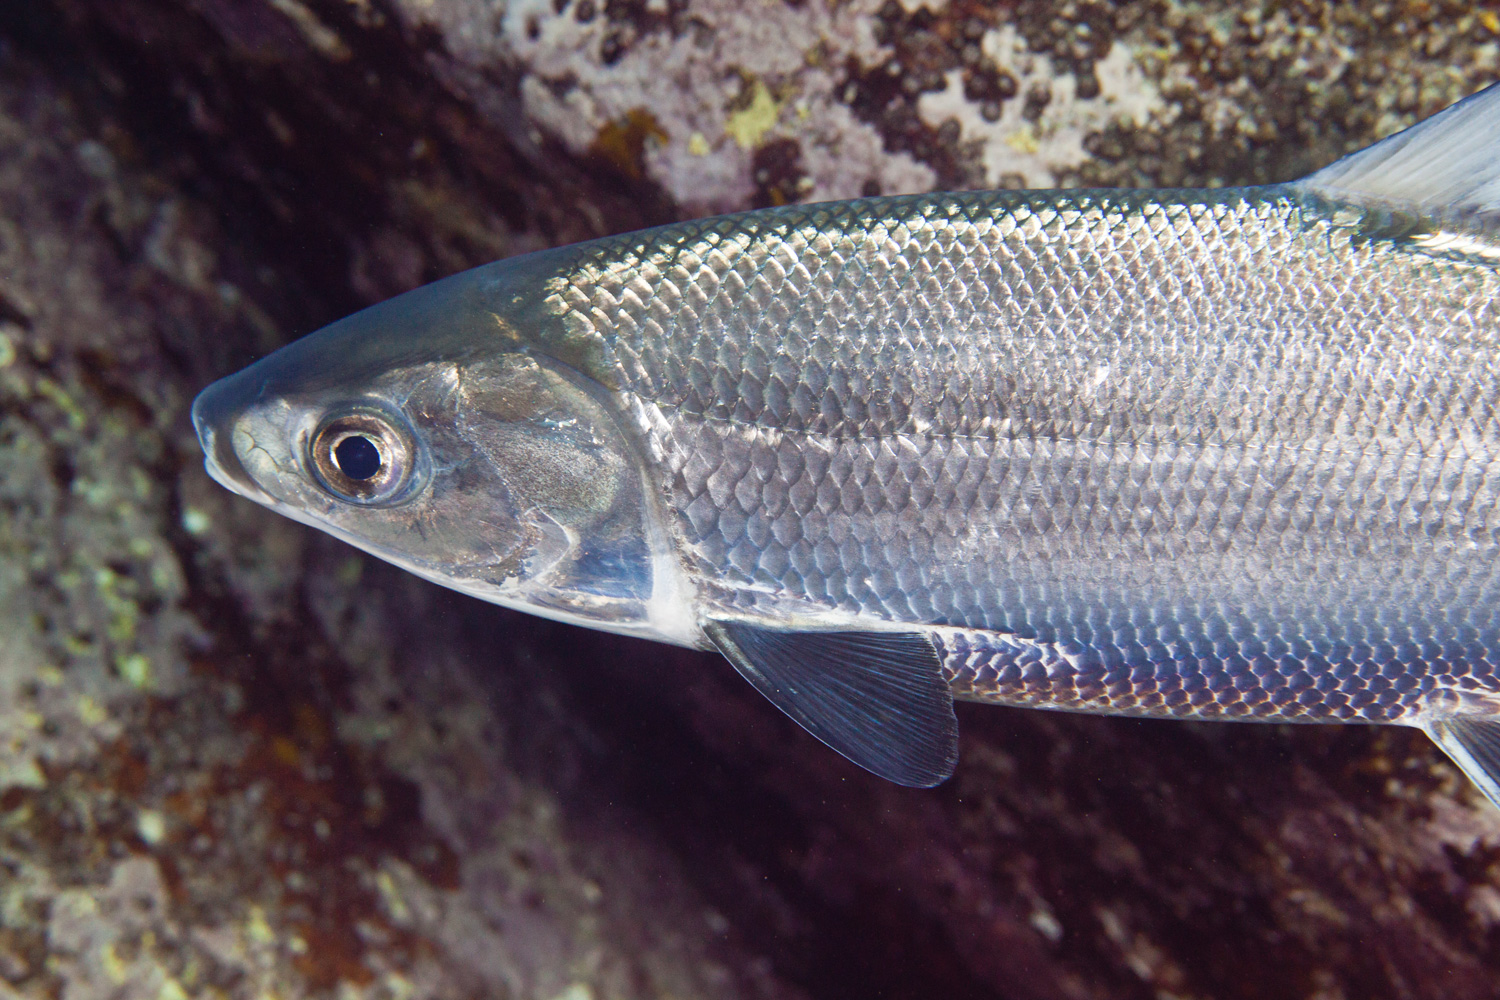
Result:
[1131,432]
[1198,454]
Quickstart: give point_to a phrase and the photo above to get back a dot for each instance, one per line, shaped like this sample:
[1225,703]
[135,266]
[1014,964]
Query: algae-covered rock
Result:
[239,759]
[725,104]
[232,763]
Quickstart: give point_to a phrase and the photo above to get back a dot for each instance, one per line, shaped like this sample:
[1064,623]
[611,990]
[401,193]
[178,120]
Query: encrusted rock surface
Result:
[231,763]
[726,104]
[238,759]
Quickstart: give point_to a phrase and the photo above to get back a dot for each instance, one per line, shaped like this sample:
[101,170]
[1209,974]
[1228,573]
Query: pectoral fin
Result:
[878,698]
[1474,744]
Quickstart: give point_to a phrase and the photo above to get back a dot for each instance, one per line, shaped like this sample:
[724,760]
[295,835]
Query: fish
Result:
[1195,454]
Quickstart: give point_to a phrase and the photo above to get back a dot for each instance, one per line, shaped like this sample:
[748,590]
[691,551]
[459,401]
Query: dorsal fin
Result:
[1448,164]
[1473,741]
[878,698]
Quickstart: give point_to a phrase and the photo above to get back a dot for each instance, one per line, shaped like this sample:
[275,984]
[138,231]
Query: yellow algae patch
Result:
[90,712]
[698,144]
[394,903]
[747,125]
[257,929]
[1023,140]
[622,142]
[116,968]
[25,773]
[135,670]
[58,396]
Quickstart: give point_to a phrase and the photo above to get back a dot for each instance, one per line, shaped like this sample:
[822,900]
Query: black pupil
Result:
[357,457]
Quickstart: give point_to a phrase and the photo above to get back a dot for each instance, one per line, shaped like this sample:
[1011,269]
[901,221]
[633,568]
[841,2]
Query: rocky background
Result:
[238,759]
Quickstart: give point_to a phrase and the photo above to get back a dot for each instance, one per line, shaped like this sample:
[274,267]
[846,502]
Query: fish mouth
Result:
[216,412]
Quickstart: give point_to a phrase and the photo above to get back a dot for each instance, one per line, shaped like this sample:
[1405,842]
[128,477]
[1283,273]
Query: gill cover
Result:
[543,444]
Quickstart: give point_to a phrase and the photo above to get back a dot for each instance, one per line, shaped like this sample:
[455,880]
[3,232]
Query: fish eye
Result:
[363,457]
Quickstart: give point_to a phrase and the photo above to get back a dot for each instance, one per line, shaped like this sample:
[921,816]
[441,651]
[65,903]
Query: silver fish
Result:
[1207,454]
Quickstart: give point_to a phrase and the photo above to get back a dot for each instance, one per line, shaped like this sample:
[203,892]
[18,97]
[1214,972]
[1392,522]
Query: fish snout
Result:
[216,412]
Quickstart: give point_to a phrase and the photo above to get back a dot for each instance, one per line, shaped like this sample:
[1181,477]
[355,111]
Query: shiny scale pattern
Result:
[1180,453]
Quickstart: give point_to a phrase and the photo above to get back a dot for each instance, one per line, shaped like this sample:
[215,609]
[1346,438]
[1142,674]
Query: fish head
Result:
[432,432]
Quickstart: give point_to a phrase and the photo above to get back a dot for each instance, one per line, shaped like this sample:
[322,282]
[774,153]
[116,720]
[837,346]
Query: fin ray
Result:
[1473,742]
[878,698]
[1449,163]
